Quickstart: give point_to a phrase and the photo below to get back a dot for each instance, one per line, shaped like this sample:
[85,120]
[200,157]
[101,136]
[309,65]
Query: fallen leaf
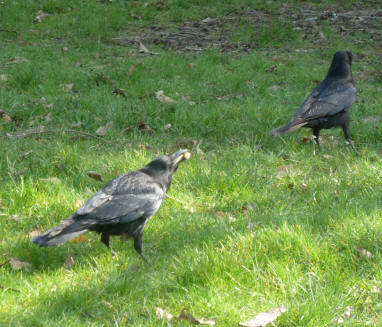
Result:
[163,98]
[53,180]
[68,87]
[65,49]
[16,264]
[264,318]
[363,252]
[16,60]
[191,103]
[160,5]
[3,77]
[248,206]
[80,238]
[185,143]
[101,131]
[40,15]
[185,315]
[41,128]
[327,156]
[271,69]
[160,314]
[144,147]
[35,232]
[69,261]
[5,117]
[143,127]
[143,49]
[95,175]
[167,127]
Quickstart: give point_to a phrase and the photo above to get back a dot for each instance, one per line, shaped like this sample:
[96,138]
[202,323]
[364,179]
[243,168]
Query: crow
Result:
[123,206]
[329,103]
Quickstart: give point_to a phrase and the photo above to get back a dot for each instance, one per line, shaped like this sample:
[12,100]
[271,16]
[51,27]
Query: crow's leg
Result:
[316,134]
[105,239]
[346,129]
[138,244]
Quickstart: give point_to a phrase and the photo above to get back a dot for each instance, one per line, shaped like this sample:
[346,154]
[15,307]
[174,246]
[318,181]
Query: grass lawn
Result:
[252,223]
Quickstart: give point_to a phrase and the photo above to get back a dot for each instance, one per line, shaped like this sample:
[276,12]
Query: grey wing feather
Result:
[126,198]
[328,102]
[125,208]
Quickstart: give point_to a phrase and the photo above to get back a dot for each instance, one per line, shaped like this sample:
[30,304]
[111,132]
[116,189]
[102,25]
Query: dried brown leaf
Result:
[6,119]
[163,98]
[3,78]
[95,175]
[143,127]
[68,87]
[16,60]
[264,318]
[185,143]
[80,238]
[101,131]
[363,252]
[16,264]
[185,315]
[143,49]
[40,15]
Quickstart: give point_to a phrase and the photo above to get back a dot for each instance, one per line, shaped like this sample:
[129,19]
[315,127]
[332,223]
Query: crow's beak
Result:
[180,156]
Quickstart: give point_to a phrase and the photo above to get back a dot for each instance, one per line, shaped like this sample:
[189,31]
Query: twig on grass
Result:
[116,90]
[54,131]
[9,289]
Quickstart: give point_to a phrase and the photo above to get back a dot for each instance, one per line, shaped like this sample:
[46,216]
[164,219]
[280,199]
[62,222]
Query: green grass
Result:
[239,238]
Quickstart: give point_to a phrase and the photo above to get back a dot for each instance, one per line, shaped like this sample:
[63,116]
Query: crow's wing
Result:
[124,199]
[326,102]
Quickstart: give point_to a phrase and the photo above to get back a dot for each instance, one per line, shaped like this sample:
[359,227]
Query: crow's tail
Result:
[287,128]
[69,229]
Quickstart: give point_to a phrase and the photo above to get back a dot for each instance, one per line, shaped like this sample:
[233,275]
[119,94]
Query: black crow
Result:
[329,103]
[123,206]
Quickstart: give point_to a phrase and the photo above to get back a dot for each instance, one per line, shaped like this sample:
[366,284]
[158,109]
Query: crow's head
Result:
[341,65]
[164,167]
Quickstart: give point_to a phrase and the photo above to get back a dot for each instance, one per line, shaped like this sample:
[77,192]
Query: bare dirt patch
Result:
[362,25]
[199,35]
